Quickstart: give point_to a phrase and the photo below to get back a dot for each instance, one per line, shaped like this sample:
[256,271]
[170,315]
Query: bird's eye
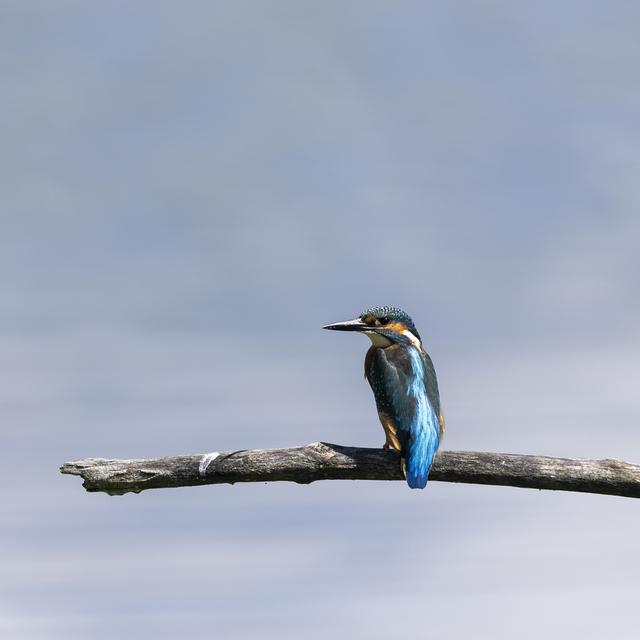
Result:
[384,320]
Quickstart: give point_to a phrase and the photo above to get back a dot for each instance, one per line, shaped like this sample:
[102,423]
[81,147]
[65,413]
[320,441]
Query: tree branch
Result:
[324,461]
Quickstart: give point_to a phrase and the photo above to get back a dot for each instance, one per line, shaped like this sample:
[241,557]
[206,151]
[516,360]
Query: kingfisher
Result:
[405,388]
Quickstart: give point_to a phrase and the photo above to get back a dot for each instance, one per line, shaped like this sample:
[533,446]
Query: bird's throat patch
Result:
[378,340]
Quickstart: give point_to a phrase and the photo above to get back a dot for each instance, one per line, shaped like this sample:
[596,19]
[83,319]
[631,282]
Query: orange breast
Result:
[391,431]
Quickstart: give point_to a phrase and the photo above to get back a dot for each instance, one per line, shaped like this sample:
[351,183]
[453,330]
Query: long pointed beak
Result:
[349,325]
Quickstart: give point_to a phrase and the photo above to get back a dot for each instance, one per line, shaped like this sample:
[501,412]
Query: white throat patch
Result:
[412,339]
[381,341]
[377,340]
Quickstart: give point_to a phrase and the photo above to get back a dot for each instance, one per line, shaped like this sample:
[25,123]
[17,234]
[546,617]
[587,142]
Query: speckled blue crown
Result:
[394,314]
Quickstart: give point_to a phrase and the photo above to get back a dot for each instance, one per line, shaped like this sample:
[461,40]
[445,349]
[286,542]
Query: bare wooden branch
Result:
[324,461]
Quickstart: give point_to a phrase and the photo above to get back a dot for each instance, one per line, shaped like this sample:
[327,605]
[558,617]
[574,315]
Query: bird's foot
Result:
[385,446]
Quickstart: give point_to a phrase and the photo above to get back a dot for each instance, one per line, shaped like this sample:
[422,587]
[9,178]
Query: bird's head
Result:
[384,325]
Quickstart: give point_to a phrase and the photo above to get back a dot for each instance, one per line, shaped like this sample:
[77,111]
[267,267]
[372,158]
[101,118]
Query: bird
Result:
[405,387]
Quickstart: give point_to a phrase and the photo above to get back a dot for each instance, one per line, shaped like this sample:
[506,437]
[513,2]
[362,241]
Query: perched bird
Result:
[405,388]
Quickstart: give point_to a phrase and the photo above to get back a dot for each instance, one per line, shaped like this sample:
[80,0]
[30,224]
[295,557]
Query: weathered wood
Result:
[324,461]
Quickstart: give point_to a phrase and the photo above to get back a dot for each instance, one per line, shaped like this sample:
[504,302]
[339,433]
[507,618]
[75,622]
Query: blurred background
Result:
[191,190]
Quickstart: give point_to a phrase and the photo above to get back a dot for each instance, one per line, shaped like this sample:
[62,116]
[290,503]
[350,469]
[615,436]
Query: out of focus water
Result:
[190,193]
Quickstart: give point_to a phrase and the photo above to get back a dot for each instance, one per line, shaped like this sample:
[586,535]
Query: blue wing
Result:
[406,390]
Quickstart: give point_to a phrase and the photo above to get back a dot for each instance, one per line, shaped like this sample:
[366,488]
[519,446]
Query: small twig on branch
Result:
[324,461]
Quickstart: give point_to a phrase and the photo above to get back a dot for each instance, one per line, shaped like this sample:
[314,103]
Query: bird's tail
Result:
[415,479]
[418,462]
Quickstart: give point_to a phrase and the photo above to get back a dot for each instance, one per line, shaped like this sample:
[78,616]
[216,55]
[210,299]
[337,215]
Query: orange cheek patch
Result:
[396,326]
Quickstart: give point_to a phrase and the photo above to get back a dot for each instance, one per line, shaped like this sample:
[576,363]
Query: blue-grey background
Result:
[191,190]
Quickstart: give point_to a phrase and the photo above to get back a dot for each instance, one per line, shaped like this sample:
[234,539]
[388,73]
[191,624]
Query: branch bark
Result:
[324,461]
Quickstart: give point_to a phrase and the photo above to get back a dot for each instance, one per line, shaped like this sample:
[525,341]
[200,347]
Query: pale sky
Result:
[191,190]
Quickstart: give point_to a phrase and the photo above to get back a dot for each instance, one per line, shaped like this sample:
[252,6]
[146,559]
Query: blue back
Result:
[424,426]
